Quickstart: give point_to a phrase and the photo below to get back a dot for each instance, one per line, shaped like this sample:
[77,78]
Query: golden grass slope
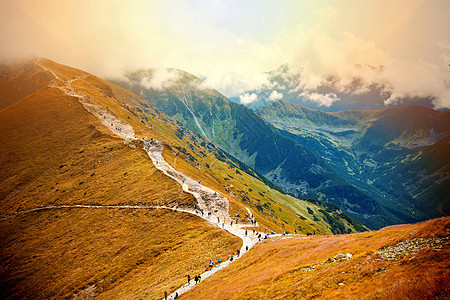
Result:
[275,269]
[119,253]
[55,152]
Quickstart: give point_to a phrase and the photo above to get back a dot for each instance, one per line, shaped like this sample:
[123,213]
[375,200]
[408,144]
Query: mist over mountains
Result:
[333,93]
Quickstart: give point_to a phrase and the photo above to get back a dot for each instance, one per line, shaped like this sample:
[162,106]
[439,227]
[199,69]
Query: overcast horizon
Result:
[402,45]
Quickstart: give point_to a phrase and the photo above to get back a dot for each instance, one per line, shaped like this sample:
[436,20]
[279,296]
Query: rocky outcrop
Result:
[408,247]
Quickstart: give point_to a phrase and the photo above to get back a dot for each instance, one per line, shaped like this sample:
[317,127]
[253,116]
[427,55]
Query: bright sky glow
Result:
[232,43]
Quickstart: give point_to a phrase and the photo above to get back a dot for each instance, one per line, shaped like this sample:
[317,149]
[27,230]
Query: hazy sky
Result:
[232,43]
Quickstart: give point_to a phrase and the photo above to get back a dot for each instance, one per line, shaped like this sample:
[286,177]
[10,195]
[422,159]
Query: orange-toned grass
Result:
[272,270]
[53,151]
[123,253]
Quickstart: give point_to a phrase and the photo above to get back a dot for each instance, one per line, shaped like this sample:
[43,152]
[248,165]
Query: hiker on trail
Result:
[199,278]
[246,248]
[253,231]
[295,231]
[265,230]
[231,258]
[165,295]
[238,252]
[196,279]
[176,296]
[231,223]
[245,232]
[210,263]
[219,260]
[218,220]
[223,225]
[189,279]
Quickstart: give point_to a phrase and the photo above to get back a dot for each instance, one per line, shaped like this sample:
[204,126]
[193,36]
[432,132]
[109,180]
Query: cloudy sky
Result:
[232,43]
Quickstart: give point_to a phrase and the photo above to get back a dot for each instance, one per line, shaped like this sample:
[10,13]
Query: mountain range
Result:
[380,166]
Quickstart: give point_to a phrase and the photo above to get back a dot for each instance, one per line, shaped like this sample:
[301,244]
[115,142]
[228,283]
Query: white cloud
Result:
[274,96]
[160,78]
[248,98]
[321,99]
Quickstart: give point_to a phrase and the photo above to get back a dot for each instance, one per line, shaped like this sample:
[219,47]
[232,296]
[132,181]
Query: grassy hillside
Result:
[55,152]
[112,253]
[399,262]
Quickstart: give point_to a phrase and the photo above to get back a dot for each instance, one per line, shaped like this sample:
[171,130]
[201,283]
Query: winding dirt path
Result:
[211,206]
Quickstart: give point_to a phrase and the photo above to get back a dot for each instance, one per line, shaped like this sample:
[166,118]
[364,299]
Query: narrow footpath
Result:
[211,205]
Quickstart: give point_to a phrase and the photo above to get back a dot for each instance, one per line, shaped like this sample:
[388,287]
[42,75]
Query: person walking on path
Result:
[245,232]
[196,279]
[210,263]
[165,295]
[189,279]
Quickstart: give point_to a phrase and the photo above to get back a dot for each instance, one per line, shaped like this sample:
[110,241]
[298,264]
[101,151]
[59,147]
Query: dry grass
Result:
[52,152]
[272,270]
[123,253]
[55,152]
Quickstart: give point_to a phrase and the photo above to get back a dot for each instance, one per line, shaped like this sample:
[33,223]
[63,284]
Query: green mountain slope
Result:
[398,156]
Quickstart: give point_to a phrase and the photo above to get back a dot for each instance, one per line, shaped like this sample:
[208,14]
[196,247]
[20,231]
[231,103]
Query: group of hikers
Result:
[197,279]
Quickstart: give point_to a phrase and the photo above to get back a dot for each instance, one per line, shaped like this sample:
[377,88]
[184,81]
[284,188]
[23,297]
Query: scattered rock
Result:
[404,248]
[338,258]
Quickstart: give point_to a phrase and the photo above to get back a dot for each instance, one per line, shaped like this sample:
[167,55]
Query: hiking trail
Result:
[211,205]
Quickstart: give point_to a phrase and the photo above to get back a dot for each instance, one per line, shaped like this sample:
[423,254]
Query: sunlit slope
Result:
[240,132]
[399,156]
[55,152]
[399,262]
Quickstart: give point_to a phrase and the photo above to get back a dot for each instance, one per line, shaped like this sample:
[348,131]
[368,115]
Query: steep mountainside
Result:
[398,156]
[240,132]
[75,197]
